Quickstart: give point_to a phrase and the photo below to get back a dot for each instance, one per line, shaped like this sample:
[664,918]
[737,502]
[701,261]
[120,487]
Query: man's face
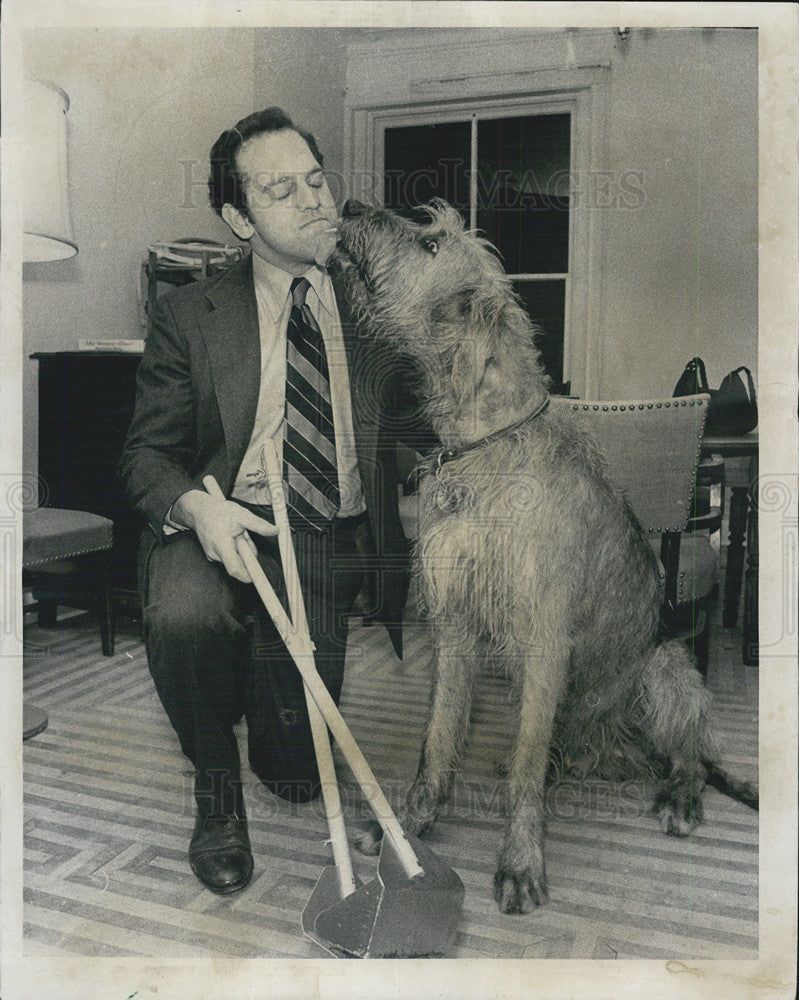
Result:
[289,205]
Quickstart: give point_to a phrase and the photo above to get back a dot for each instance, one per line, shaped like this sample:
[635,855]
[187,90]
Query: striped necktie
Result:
[309,442]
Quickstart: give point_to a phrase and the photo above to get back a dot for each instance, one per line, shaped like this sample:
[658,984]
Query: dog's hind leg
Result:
[674,705]
[520,880]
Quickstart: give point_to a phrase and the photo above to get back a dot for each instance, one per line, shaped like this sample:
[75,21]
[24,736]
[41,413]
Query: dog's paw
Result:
[369,842]
[678,809]
[416,818]
[418,815]
[520,892]
[416,824]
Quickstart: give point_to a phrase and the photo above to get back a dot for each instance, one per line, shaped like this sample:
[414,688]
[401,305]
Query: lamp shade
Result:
[47,226]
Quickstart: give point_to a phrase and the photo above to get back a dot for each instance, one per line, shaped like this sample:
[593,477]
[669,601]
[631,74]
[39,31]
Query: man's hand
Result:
[218,524]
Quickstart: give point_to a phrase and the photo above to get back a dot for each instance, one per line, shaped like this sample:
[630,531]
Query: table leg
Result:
[735,555]
[750,629]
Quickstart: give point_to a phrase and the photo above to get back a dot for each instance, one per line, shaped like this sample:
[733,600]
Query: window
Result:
[517,153]
[509,178]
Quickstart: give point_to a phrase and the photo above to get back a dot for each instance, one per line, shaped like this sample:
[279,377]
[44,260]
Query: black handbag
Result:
[732,411]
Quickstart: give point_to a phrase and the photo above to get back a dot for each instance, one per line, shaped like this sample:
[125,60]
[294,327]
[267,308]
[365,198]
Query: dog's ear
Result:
[476,354]
[443,214]
[455,310]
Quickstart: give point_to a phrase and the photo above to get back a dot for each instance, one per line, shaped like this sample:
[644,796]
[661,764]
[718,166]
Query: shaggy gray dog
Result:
[526,549]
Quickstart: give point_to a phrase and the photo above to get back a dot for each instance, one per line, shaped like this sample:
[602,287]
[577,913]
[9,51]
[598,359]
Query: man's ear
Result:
[237,221]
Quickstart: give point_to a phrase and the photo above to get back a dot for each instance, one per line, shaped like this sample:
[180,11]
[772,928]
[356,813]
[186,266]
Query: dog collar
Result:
[449,453]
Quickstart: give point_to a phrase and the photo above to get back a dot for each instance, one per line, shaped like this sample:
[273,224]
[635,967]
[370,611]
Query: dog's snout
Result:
[353,208]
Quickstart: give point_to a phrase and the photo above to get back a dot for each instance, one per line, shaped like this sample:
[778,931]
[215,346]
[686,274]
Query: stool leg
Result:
[105,604]
[45,599]
[47,609]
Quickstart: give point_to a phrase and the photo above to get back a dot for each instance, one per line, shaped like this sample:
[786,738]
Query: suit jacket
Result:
[196,396]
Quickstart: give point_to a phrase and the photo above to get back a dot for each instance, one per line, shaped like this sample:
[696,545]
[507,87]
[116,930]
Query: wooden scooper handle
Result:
[324,757]
[301,650]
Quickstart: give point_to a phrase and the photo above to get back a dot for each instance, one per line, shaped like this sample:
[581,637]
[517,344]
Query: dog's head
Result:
[439,293]
[401,272]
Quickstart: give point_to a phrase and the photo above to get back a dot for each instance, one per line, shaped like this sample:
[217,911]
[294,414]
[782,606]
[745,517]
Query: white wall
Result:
[145,109]
[679,270]
[141,101]
[303,70]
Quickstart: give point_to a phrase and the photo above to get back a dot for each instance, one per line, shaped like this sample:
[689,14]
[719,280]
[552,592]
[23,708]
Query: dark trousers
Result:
[215,656]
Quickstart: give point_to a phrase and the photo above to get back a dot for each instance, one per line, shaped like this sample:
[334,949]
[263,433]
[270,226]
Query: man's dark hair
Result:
[225,183]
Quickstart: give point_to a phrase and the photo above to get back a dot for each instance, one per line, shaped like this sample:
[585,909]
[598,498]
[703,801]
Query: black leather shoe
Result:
[220,854]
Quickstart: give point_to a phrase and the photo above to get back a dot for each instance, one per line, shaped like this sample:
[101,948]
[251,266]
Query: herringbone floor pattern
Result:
[108,816]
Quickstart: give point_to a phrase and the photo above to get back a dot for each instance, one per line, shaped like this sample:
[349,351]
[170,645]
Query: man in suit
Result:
[217,380]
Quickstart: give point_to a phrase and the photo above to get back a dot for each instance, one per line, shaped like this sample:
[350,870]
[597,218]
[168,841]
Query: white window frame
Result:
[582,93]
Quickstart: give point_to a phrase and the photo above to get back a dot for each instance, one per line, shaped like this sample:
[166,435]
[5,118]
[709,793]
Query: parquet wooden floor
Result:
[109,812]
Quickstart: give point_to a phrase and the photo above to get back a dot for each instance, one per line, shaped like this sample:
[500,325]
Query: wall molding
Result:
[518,82]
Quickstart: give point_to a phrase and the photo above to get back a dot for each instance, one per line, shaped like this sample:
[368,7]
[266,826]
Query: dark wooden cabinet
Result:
[86,404]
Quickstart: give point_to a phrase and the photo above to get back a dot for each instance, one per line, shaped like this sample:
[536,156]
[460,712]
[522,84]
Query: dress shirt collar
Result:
[274,284]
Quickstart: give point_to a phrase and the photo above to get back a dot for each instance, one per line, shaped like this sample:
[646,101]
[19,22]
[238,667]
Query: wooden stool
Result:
[56,542]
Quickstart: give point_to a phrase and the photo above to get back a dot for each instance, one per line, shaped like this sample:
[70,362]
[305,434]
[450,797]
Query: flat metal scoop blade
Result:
[390,916]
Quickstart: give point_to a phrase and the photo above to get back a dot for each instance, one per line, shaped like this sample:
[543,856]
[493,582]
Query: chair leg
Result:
[680,625]
[701,640]
[105,604]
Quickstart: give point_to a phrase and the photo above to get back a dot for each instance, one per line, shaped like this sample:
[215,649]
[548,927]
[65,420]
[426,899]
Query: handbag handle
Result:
[698,366]
[750,381]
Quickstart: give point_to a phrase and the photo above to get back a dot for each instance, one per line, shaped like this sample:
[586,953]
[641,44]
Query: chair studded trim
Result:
[663,427]
[658,404]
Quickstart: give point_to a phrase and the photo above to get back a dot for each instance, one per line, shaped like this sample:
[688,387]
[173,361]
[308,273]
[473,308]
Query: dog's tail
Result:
[670,683]
[741,791]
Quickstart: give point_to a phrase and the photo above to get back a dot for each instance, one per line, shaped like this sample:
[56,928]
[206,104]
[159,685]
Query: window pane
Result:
[522,201]
[545,302]
[427,161]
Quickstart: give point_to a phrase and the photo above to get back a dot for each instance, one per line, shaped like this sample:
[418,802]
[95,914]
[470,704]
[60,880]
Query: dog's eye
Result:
[431,246]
